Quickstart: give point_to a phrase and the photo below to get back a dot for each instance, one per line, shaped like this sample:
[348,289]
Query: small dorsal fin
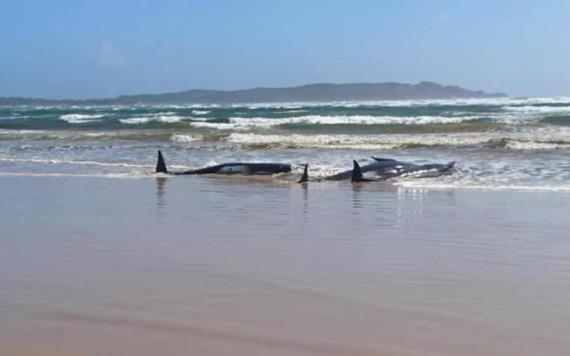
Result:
[160,164]
[382,159]
[305,176]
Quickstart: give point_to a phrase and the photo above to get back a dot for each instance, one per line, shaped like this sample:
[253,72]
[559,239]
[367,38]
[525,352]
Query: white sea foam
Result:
[536,145]
[184,138]
[13,117]
[409,103]
[243,123]
[200,112]
[74,135]
[541,140]
[353,141]
[73,162]
[80,118]
[529,109]
[434,184]
[293,111]
[21,132]
[32,134]
[159,118]
[135,120]
[77,175]
[184,106]
[220,125]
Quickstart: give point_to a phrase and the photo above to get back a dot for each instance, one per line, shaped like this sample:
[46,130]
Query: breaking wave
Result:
[243,123]
[535,139]
[41,135]
[144,120]
[80,118]
[513,142]
[533,109]
[63,161]
[201,112]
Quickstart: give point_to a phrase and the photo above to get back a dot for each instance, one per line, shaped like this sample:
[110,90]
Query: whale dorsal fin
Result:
[382,159]
[356,172]
[160,164]
[305,176]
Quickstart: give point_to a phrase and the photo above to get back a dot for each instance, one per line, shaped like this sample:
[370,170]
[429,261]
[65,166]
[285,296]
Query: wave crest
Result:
[80,118]
[168,119]
[258,141]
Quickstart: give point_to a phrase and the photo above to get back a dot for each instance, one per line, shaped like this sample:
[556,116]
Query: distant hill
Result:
[309,92]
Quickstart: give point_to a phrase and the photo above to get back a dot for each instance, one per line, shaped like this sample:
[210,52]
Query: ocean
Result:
[498,143]
[474,263]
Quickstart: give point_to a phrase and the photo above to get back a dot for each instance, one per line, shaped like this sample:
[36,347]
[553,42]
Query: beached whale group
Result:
[381,169]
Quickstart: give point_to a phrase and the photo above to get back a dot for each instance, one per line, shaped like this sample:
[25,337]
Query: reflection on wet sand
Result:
[160,195]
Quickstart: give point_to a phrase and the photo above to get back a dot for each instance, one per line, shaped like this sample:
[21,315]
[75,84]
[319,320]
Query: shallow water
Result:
[509,143]
[258,266]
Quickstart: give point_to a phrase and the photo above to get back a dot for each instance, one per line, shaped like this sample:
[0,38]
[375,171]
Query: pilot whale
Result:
[228,168]
[386,168]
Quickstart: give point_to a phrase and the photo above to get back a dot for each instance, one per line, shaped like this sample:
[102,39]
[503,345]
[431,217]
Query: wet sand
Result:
[207,266]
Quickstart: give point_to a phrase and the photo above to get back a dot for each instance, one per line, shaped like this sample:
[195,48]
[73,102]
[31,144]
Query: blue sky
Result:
[102,48]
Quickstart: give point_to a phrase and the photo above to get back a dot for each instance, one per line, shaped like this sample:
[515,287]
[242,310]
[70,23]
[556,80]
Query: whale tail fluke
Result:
[357,173]
[305,176]
[160,164]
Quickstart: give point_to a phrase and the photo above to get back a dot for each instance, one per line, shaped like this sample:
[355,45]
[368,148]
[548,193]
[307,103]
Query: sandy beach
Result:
[217,266]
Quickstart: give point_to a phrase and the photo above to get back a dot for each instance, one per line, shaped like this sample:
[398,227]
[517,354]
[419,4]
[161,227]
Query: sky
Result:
[104,48]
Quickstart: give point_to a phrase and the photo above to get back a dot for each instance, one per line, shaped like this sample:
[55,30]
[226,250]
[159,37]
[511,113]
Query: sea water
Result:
[498,143]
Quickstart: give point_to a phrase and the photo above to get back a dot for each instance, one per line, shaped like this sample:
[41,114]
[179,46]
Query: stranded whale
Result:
[381,169]
[385,168]
[228,168]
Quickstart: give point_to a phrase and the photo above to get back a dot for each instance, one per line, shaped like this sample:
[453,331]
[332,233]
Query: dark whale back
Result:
[378,165]
[243,168]
[228,168]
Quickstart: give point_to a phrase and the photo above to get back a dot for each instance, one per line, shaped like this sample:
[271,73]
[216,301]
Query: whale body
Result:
[383,169]
[228,168]
[386,168]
